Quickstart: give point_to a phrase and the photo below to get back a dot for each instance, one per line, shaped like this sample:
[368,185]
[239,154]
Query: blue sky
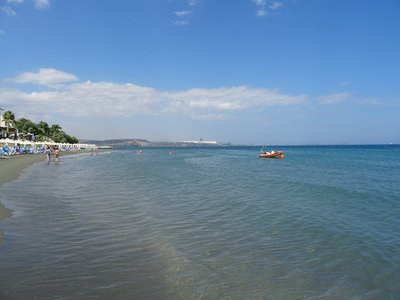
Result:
[243,71]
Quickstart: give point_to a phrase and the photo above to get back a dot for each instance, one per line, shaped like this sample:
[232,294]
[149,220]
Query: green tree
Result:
[54,129]
[44,128]
[62,137]
[73,140]
[55,133]
[26,126]
[9,119]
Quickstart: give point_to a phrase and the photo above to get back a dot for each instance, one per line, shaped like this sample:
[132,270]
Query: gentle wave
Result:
[205,224]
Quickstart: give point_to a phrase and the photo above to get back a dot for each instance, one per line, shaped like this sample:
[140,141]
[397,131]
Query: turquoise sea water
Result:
[206,223]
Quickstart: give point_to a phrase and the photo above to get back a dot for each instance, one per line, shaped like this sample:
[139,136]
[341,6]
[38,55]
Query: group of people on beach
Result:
[56,150]
[19,150]
[49,150]
[16,150]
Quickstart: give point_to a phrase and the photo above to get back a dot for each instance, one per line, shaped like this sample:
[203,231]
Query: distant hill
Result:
[146,143]
[116,142]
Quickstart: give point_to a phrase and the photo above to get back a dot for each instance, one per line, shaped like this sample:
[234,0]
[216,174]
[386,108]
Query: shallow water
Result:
[206,223]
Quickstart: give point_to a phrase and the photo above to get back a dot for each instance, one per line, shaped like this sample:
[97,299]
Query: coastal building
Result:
[202,142]
[6,129]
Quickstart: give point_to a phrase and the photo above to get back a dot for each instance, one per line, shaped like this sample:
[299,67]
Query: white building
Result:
[3,126]
[201,142]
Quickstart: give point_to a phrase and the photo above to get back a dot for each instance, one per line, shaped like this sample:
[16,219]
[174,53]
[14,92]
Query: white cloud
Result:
[334,98]
[183,17]
[374,102]
[15,1]
[261,12]
[8,8]
[193,2]
[262,6]
[8,11]
[275,5]
[46,76]
[114,99]
[260,2]
[182,13]
[232,98]
[41,4]
[209,117]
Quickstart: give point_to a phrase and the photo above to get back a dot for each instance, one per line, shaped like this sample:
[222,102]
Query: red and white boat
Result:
[272,154]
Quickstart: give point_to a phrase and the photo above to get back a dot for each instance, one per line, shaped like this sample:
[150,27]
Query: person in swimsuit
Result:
[57,153]
[48,153]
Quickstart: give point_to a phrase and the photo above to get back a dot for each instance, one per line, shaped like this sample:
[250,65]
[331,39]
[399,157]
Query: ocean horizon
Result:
[205,223]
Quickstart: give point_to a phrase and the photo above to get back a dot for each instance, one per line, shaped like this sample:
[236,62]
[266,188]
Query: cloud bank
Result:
[66,95]
[46,76]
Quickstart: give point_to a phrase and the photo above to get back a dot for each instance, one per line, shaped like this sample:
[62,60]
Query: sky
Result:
[240,71]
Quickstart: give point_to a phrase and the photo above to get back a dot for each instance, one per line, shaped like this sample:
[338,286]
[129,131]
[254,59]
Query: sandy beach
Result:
[10,168]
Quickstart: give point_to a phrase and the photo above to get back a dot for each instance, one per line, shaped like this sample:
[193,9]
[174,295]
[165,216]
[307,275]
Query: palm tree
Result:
[9,119]
[55,128]
[27,127]
[55,131]
[44,128]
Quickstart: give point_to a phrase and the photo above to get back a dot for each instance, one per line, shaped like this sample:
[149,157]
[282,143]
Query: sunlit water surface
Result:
[206,223]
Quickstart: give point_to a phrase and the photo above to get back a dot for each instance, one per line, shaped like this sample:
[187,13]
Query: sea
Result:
[205,223]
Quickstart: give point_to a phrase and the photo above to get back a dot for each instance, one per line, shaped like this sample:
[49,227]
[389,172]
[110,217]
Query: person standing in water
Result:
[48,153]
[57,153]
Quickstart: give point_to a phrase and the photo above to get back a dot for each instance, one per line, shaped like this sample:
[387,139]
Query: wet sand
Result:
[10,168]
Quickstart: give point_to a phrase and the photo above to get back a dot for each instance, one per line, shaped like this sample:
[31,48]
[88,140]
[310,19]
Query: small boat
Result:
[272,154]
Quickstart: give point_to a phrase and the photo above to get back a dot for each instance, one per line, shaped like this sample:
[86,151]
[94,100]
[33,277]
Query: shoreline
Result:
[11,167]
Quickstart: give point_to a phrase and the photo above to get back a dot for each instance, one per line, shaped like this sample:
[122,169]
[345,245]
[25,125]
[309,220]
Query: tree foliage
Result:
[9,119]
[41,131]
